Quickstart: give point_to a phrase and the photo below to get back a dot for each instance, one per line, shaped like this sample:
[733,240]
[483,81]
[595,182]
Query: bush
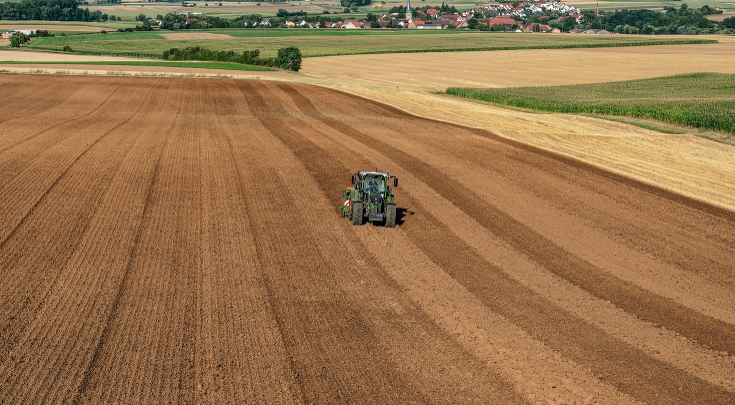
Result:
[67,48]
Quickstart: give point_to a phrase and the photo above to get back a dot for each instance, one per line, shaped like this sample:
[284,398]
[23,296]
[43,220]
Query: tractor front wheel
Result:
[357,213]
[390,216]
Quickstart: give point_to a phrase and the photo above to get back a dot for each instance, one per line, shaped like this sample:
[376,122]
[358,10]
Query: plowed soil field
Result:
[171,240]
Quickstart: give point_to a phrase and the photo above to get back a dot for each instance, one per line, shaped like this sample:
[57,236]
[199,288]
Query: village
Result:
[494,17]
[507,17]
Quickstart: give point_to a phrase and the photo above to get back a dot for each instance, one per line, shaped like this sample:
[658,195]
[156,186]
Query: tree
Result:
[728,22]
[704,23]
[289,58]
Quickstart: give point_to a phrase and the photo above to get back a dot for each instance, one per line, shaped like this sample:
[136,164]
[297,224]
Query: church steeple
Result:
[409,14]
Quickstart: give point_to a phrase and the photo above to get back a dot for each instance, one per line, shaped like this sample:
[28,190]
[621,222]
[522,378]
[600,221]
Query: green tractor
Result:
[371,198]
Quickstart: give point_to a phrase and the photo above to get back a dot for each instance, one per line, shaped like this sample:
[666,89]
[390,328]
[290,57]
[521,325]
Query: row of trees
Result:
[287,58]
[49,10]
[682,20]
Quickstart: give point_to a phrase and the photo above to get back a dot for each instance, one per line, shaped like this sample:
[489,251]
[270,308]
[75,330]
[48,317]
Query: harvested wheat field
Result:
[170,240]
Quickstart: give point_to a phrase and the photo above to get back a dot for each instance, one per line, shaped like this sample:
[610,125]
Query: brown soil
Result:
[168,240]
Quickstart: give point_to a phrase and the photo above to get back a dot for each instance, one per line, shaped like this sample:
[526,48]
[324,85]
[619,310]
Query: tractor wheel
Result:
[390,216]
[357,213]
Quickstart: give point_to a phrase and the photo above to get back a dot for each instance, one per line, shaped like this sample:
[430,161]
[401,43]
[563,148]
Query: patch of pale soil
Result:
[195,35]
[4,42]
[84,28]
[18,55]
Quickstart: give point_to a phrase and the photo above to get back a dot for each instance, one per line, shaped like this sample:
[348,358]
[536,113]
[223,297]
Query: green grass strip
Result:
[197,65]
[701,100]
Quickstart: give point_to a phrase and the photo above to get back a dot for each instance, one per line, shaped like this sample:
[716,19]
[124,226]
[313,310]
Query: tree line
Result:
[287,58]
[682,20]
[49,10]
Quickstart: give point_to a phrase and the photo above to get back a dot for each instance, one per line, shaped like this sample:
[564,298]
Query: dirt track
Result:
[179,241]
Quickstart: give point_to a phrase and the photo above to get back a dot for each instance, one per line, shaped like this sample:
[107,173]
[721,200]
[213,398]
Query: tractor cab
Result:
[371,199]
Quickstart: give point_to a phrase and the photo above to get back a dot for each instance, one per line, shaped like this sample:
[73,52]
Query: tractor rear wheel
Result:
[357,213]
[390,216]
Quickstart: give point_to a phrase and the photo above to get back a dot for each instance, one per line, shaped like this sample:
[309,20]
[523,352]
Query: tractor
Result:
[371,198]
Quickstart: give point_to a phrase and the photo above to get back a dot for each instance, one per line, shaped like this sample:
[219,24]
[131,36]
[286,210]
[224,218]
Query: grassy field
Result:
[336,42]
[197,65]
[702,100]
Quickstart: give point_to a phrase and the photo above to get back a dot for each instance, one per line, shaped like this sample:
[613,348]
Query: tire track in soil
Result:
[323,378]
[26,294]
[99,365]
[48,141]
[483,383]
[29,101]
[712,333]
[52,164]
[629,369]
[243,359]
[46,373]
[335,357]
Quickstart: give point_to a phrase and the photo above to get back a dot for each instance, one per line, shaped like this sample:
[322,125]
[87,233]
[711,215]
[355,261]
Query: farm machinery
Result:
[371,198]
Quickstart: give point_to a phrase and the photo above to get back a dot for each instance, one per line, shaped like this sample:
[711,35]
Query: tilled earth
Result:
[167,240]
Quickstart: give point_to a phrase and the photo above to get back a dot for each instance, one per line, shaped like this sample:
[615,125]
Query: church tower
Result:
[409,13]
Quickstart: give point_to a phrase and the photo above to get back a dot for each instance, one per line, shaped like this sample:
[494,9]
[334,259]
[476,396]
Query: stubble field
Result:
[179,241]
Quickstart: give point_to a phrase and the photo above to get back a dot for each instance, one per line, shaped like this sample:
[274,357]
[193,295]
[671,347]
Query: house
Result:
[506,21]
[431,25]
[433,12]
[352,24]
[530,27]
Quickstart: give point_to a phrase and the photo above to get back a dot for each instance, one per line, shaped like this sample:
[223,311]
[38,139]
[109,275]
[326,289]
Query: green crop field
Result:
[702,100]
[337,42]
